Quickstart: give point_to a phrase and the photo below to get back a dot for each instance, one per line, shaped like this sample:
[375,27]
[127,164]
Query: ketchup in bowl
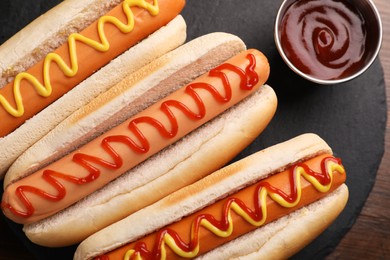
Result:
[326,39]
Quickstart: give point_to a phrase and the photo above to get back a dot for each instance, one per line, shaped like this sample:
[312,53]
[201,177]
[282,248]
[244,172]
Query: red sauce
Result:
[249,78]
[325,39]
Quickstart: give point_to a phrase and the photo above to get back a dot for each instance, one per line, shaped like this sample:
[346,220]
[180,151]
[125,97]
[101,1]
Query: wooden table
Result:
[369,238]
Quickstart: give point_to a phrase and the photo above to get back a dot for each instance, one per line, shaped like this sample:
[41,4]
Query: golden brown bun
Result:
[204,192]
[198,153]
[14,144]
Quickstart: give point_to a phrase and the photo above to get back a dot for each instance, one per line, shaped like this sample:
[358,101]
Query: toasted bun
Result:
[202,193]
[286,236]
[14,144]
[198,154]
[48,32]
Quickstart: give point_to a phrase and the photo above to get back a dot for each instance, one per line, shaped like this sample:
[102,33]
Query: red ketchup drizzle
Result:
[249,78]
[322,177]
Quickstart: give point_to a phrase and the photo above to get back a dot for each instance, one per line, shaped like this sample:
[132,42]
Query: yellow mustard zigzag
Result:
[169,241]
[45,90]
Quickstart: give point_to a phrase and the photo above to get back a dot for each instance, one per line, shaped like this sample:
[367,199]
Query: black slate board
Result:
[351,117]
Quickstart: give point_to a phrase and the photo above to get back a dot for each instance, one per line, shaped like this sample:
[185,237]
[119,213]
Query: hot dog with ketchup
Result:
[55,65]
[267,205]
[100,161]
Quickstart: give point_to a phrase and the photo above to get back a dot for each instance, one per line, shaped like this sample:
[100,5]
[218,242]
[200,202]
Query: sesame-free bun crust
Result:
[219,185]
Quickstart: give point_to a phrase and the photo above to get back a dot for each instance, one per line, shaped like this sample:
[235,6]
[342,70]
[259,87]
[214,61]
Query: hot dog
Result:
[58,51]
[267,205]
[139,137]
[138,91]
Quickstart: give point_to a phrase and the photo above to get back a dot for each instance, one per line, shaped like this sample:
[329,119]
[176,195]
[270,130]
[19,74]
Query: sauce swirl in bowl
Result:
[326,39]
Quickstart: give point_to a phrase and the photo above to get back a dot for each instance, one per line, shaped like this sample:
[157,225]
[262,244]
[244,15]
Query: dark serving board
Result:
[350,117]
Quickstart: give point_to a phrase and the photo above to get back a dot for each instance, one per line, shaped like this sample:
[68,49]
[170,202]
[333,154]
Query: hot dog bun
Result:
[198,151]
[219,185]
[236,134]
[17,141]
[111,154]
